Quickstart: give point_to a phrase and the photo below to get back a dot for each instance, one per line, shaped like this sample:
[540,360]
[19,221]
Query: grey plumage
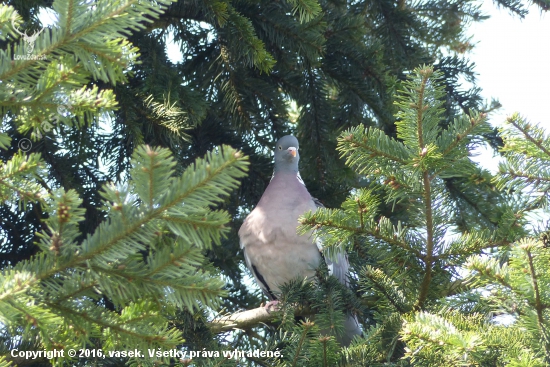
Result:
[273,251]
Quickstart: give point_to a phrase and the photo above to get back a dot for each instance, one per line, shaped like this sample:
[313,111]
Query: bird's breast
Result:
[270,239]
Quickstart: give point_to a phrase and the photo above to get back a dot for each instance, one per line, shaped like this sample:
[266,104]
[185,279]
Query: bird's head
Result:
[286,154]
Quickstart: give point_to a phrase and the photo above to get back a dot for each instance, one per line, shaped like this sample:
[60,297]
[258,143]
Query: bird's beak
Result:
[292,151]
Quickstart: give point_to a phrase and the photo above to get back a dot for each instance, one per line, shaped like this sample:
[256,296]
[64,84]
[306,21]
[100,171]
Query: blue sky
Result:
[512,59]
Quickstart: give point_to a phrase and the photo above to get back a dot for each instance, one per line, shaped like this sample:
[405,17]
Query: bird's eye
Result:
[280,147]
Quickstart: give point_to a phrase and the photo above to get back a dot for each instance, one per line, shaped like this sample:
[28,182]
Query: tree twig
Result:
[250,318]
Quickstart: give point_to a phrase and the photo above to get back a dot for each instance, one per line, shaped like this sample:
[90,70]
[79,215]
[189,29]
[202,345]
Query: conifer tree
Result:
[419,213]
[243,64]
[417,303]
[509,289]
[145,259]
[119,287]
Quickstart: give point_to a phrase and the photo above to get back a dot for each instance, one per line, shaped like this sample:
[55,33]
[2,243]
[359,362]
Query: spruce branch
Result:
[360,143]
[529,177]
[111,20]
[386,232]
[527,157]
[85,45]
[386,287]
[538,141]
[6,363]
[66,278]
[254,53]
[306,327]
[170,116]
[461,137]
[428,257]
[470,242]
[453,142]
[307,9]
[119,325]
[539,306]
[18,179]
[241,320]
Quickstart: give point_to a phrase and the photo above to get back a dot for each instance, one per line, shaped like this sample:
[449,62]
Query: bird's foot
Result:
[272,306]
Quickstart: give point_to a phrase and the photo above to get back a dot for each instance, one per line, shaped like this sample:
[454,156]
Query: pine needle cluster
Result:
[439,294]
[109,243]
[146,259]
[121,285]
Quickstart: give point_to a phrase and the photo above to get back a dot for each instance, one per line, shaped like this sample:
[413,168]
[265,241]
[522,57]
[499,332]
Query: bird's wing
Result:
[245,232]
[339,265]
[259,278]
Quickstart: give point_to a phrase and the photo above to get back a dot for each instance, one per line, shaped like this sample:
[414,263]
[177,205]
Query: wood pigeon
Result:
[274,252]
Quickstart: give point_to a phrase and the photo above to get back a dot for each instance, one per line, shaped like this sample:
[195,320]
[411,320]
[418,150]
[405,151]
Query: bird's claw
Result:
[272,306]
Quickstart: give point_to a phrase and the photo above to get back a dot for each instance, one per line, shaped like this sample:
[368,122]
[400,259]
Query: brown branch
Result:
[241,320]
[428,259]
[250,318]
[525,132]
[529,177]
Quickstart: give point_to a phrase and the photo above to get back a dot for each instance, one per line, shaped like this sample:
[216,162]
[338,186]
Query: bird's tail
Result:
[351,329]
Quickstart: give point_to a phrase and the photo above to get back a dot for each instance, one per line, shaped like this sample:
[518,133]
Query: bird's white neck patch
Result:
[300,178]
